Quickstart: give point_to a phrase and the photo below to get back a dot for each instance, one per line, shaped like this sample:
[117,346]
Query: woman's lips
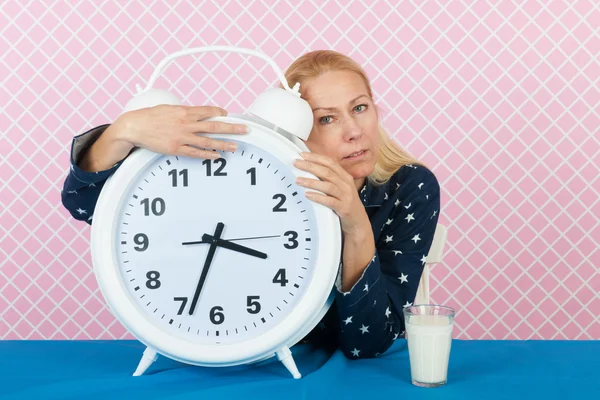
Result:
[359,156]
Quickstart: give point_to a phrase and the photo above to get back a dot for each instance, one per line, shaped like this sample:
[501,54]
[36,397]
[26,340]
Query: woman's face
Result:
[345,121]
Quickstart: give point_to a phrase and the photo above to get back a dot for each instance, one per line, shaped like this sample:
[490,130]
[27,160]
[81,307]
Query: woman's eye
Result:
[361,105]
[321,119]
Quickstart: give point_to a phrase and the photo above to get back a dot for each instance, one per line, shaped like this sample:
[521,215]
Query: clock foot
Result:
[285,356]
[147,359]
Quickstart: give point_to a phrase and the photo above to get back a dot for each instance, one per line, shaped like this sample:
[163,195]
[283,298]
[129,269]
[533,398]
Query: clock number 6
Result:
[216,315]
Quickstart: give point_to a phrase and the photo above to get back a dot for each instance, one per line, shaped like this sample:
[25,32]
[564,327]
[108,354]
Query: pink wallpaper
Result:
[500,98]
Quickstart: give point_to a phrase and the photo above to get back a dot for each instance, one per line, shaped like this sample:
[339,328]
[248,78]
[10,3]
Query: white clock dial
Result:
[177,200]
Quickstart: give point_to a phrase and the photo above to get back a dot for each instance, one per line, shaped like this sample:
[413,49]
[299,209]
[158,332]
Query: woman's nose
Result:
[352,130]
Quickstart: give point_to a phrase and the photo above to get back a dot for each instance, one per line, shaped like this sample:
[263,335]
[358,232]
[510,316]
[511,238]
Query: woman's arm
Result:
[370,313]
[85,180]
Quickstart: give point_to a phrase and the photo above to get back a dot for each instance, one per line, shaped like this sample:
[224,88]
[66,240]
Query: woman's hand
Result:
[340,193]
[165,129]
[171,129]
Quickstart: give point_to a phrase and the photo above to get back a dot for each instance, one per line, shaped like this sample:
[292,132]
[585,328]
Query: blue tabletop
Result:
[477,370]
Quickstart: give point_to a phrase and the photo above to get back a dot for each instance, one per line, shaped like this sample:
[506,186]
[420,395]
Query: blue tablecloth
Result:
[477,370]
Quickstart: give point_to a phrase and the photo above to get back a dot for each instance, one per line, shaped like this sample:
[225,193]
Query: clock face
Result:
[180,207]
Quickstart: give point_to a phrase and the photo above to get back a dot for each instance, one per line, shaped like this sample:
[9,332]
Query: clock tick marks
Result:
[135,196]
[263,320]
[168,162]
[260,160]
[136,288]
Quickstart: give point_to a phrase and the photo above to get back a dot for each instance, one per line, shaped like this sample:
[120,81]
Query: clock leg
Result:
[285,356]
[147,359]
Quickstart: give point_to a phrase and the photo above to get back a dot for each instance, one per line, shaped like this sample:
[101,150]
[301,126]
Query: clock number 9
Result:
[158,206]
[292,239]
[216,316]
[141,239]
[153,282]
[208,163]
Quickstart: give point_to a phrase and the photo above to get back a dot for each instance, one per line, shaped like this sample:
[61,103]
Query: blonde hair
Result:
[391,156]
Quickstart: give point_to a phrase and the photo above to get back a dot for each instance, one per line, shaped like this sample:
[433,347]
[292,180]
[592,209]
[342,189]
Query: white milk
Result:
[429,340]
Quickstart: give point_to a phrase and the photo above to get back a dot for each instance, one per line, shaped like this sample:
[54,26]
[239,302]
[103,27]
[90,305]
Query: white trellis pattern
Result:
[500,98]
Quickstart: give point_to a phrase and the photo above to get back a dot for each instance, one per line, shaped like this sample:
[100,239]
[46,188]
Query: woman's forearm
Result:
[359,249]
[109,149]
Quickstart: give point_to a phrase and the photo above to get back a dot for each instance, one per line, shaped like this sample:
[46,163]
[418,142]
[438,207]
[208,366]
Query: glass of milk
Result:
[429,337]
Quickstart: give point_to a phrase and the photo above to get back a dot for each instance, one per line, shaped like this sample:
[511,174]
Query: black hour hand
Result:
[233,246]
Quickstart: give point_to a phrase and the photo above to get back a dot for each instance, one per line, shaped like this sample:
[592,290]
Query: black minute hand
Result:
[209,257]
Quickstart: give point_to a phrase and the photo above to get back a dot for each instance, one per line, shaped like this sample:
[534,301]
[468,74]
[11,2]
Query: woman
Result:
[388,202]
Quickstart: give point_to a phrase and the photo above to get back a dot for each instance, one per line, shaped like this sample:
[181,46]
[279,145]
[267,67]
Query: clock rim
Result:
[286,333]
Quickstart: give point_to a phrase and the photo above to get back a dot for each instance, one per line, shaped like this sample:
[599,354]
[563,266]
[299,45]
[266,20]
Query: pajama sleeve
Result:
[81,189]
[370,314]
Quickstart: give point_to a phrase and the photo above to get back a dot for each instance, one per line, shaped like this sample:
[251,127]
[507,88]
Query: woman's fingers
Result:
[217,127]
[325,187]
[197,113]
[208,143]
[191,151]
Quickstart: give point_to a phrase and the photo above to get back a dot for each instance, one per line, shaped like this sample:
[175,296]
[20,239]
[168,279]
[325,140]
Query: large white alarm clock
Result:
[218,262]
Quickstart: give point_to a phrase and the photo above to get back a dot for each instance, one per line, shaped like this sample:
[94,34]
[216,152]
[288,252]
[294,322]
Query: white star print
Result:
[396,202]
[435,212]
[387,312]
[90,217]
[386,196]
[348,320]
[364,329]
[72,167]
[410,217]
[408,206]
[373,259]
[395,336]
[80,211]
[366,289]
[72,191]
[427,196]
[92,185]
[397,186]
[407,304]
[424,259]
[420,184]
[403,278]
[355,352]
[396,252]
[389,238]
[416,238]
[389,221]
